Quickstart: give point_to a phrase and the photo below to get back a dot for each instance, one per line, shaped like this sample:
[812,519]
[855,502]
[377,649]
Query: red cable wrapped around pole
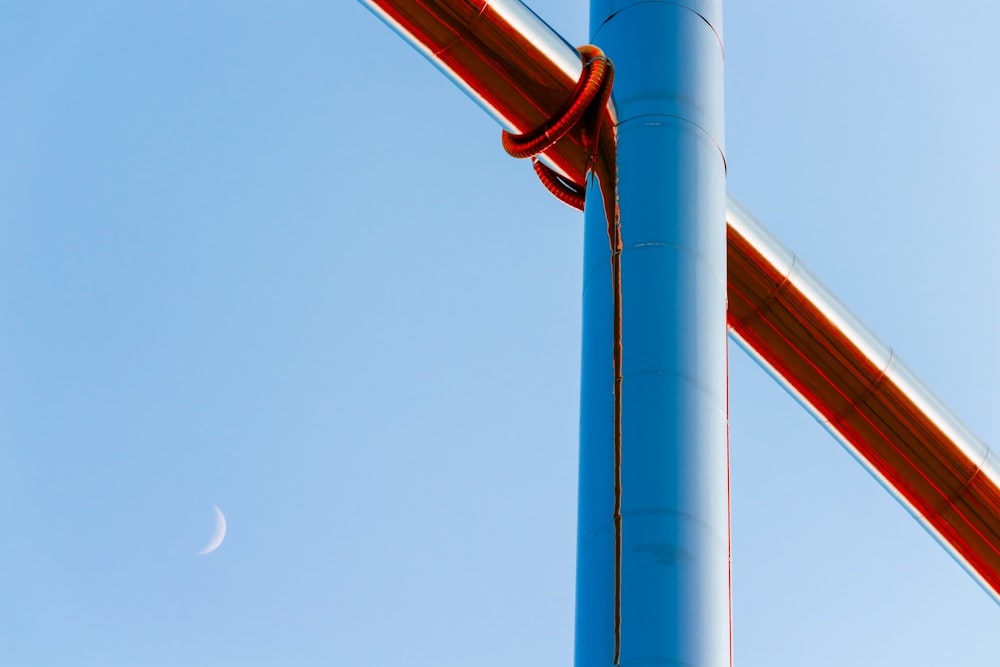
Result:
[522,73]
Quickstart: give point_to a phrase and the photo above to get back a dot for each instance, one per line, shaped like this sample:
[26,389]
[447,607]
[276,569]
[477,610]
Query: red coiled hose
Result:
[592,91]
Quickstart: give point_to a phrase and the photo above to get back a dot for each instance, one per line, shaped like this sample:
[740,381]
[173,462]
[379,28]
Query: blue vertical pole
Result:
[653,540]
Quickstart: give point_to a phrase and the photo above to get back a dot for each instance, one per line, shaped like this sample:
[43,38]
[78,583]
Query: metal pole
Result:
[653,540]
[518,70]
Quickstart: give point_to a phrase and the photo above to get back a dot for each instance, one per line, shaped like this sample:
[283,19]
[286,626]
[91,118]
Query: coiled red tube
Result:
[592,91]
[567,192]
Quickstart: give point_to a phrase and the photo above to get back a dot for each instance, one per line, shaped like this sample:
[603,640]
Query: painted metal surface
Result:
[860,391]
[653,530]
[521,73]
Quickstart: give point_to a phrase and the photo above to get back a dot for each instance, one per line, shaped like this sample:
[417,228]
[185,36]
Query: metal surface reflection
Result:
[505,58]
[515,67]
[865,396]
[520,72]
[653,522]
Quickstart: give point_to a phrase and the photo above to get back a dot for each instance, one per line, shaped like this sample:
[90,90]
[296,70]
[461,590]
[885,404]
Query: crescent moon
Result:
[218,535]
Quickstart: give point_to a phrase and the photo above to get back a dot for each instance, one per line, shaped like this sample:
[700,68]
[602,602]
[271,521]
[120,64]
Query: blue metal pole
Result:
[653,533]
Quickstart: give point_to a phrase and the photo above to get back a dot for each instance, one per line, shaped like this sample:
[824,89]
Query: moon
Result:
[218,535]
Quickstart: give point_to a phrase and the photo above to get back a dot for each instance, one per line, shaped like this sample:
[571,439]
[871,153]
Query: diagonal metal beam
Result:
[520,72]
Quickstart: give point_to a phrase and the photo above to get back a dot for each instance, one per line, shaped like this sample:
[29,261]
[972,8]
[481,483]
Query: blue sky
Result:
[268,258]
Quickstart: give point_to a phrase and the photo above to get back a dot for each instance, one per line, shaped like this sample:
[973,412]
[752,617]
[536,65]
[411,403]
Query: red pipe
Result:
[863,394]
[522,73]
[516,68]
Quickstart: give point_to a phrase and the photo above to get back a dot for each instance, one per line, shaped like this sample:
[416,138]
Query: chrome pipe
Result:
[502,56]
[521,72]
[485,38]
[653,517]
[864,395]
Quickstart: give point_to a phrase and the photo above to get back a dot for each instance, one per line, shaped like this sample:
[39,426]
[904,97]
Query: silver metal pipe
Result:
[653,517]
[498,52]
[447,32]
[861,392]
[521,72]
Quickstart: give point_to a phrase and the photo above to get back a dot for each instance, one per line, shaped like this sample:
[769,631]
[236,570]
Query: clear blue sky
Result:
[263,255]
